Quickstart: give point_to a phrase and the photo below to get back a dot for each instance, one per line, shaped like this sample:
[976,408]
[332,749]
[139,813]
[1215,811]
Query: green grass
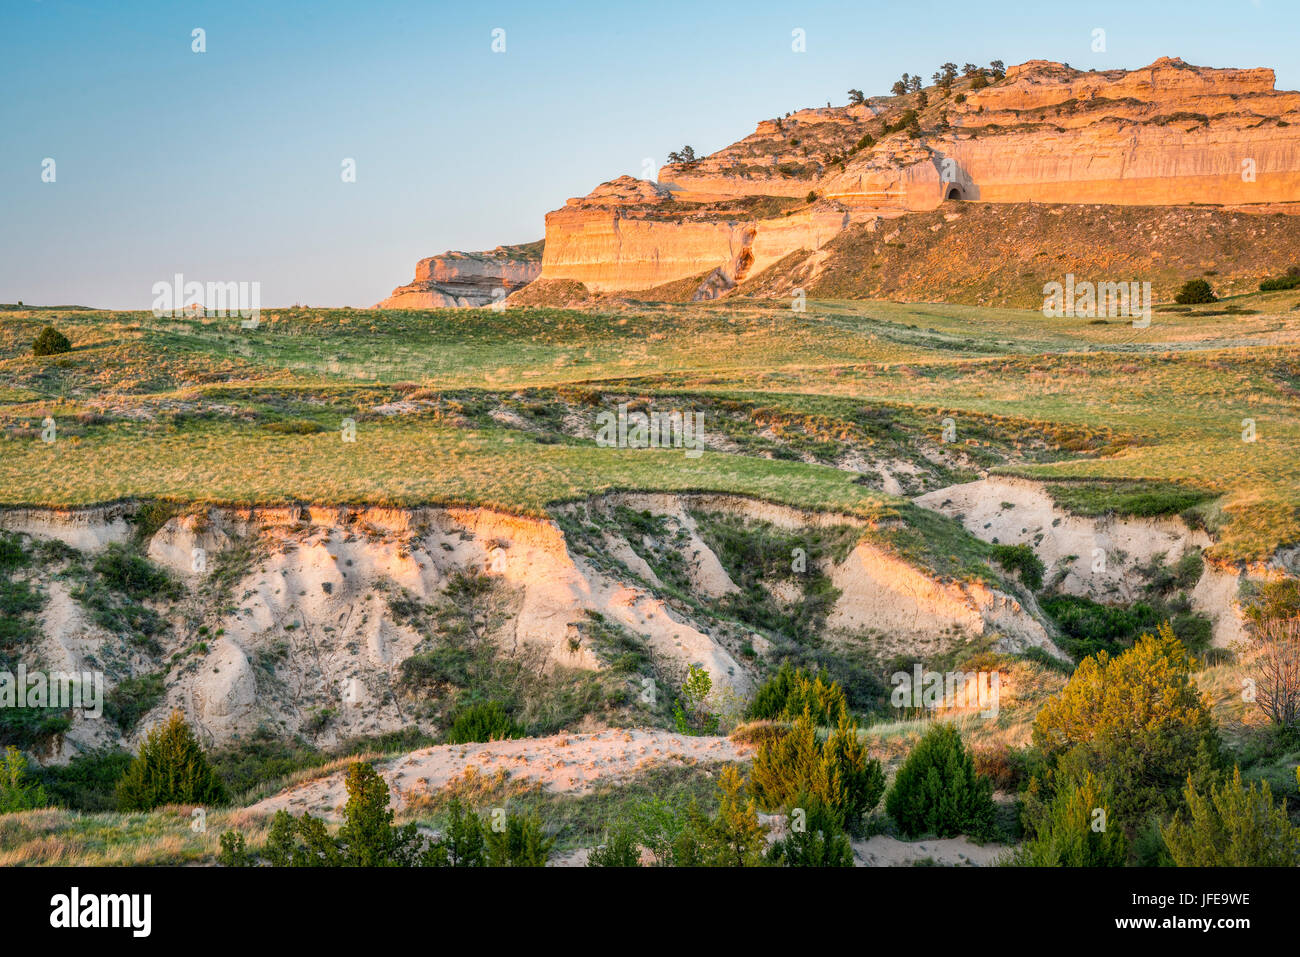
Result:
[96,839]
[132,698]
[165,836]
[402,463]
[582,819]
[1145,499]
[87,782]
[757,553]
[1143,422]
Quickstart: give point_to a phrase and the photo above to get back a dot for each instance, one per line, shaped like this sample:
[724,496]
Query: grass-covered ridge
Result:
[803,408]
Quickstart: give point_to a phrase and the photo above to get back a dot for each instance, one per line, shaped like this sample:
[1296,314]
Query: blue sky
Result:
[225,165]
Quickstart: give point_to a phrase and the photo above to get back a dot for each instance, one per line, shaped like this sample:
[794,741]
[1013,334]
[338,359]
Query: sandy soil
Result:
[563,762]
[878,851]
[884,851]
[1015,511]
[1095,557]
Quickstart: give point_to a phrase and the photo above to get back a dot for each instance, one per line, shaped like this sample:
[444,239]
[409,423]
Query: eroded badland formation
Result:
[850,201]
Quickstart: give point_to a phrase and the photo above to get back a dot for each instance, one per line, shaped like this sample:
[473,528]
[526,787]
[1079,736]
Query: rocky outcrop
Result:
[782,157]
[630,234]
[468,279]
[1036,84]
[1167,134]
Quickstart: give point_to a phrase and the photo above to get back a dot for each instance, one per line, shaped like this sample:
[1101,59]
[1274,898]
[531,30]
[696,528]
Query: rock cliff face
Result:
[638,236]
[468,279]
[1167,134]
[1164,135]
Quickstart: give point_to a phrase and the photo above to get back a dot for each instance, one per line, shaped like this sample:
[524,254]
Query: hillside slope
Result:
[961,253]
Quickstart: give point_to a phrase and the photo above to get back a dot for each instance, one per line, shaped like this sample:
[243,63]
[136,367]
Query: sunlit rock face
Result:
[633,235]
[1167,134]
[468,279]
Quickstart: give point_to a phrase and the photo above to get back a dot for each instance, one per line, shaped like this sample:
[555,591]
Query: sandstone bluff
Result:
[1169,134]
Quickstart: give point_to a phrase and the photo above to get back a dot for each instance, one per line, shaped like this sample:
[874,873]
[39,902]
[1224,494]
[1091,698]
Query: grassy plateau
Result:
[479,407]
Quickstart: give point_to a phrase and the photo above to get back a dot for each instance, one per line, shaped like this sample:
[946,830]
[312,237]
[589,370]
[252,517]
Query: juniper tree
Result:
[1229,825]
[1136,721]
[18,792]
[937,790]
[839,773]
[1071,828]
[171,768]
